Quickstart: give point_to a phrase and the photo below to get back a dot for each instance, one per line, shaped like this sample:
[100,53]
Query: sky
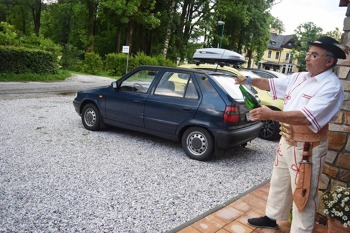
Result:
[325,14]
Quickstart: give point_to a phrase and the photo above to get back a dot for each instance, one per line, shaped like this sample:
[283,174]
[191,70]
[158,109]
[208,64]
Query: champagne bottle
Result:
[250,101]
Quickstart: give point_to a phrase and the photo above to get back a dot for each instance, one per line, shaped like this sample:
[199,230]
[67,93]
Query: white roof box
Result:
[215,55]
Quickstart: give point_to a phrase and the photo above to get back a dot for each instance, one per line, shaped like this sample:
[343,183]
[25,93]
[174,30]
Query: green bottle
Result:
[250,101]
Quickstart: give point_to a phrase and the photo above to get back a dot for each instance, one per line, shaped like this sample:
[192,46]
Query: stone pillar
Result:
[336,171]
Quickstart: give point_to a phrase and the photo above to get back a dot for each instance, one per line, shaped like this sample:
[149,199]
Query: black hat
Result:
[331,45]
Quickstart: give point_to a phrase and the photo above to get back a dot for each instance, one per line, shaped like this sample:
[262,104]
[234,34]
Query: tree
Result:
[277,24]
[128,18]
[20,10]
[247,26]
[192,13]
[169,27]
[336,34]
[304,34]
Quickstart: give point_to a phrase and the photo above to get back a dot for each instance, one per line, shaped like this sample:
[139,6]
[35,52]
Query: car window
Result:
[191,92]
[139,81]
[176,84]
[229,85]
[263,74]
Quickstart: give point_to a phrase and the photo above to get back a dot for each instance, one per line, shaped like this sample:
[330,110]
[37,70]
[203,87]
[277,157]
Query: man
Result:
[311,100]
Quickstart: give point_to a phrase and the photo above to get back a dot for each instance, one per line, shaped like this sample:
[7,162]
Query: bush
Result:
[39,42]
[142,59]
[71,58]
[22,60]
[337,205]
[92,63]
[8,34]
[163,61]
[116,63]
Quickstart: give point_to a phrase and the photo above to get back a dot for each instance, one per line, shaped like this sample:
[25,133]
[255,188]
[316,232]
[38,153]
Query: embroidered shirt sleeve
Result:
[278,86]
[324,106]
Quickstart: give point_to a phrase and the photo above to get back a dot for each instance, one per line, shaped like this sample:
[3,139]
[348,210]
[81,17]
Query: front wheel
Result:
[198,143]
[91,117]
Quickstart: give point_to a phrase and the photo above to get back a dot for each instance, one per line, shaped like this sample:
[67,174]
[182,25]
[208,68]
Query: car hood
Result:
[95,89]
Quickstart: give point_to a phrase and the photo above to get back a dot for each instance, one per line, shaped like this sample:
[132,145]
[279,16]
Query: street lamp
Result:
[222,32]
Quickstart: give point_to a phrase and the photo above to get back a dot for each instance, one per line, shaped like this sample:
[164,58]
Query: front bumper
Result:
[76,105]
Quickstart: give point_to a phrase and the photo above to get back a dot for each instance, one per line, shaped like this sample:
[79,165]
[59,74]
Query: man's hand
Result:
[262,113]
[240,79]
[290,117]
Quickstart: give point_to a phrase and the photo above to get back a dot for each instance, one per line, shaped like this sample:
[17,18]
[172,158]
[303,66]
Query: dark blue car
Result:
[203,111]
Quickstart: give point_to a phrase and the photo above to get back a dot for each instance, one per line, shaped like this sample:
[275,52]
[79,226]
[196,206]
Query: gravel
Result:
[55,176]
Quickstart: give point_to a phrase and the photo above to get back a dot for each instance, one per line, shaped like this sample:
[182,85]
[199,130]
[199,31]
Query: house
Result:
[279,56]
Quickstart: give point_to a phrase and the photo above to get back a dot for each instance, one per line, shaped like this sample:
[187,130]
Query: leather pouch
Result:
[303,185]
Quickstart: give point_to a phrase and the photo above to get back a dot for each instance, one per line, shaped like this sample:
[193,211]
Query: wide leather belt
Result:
[302,133]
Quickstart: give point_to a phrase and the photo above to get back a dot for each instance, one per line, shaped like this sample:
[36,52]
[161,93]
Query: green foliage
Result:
[163,61]
[305,33]
[142,59]
[149,27]
[336,34]
[39,42]
[22,60]
[277,24]
[27,77]
[71,58]
[116,63]
[92,63]
[8,34]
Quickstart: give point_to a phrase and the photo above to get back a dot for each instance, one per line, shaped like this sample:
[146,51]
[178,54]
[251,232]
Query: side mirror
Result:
[114,85]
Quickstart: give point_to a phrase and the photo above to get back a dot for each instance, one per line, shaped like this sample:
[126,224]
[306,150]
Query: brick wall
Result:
[336,171]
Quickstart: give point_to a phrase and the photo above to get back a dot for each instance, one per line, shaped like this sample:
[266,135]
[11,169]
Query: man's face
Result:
[317,60]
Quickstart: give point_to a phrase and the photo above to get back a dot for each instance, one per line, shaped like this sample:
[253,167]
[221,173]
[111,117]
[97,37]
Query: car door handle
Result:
[136,101]
[187,108]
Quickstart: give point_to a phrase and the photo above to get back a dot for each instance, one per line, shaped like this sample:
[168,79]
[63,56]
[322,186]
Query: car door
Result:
[174,100]
[126,104]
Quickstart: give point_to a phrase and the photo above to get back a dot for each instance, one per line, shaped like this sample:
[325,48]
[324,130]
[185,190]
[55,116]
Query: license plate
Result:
[247,116]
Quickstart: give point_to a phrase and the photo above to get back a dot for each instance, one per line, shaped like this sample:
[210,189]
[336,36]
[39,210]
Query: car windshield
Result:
[229,85]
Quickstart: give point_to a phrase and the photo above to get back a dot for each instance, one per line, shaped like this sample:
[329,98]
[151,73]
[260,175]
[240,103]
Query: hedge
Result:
[23,60]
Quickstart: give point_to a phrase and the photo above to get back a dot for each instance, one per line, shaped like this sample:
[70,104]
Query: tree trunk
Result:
[117,39]
[90,25]
[36,12]
[169,29]
[129,35]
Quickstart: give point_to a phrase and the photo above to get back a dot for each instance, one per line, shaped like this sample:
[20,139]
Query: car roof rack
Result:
[217,55]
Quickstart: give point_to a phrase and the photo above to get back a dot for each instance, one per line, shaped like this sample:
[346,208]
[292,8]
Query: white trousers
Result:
[283,182]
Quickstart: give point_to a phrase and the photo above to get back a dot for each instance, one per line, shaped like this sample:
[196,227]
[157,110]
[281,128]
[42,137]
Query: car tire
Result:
[270,130]
[198,143]
[90,117]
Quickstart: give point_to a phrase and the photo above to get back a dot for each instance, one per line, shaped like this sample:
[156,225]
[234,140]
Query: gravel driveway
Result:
[55,176]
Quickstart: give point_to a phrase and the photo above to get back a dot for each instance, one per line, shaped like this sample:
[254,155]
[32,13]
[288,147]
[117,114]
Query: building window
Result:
[291,58]
[269,54]
[287,56]
[290,69]
[277,55]
[284,69]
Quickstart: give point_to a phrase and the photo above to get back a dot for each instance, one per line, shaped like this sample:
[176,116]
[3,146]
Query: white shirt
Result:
[319,98]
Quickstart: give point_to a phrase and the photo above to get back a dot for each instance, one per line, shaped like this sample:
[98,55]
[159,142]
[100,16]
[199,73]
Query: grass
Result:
[31,77]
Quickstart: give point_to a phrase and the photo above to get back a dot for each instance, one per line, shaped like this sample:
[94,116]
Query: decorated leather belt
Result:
[301,133]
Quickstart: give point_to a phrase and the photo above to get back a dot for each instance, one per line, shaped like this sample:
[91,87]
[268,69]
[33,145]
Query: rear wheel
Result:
[198,143]
[90,117]
[270,130]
